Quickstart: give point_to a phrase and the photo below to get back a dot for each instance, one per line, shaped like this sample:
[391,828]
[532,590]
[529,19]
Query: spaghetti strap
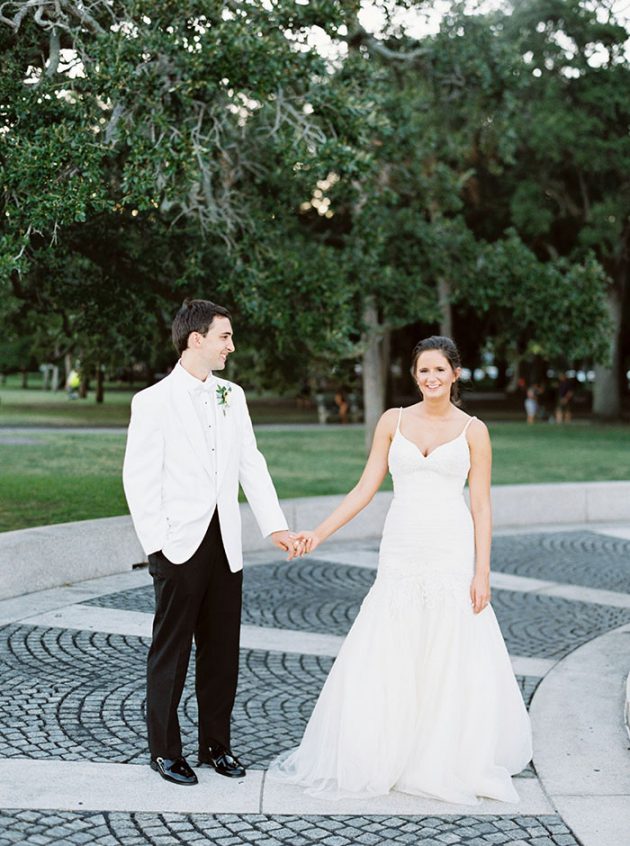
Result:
[399,418]
[468,424]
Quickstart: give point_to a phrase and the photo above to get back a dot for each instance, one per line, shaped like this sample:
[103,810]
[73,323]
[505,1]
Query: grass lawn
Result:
[58,477]
[35,407]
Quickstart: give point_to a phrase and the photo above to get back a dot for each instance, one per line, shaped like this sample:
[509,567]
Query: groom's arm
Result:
[256,481]
[142,475]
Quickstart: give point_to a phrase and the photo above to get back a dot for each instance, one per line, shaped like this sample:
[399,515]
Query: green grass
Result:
[40,408]
[59,477]
[34,407]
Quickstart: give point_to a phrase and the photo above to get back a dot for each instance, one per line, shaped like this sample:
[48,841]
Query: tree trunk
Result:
[444,301]
[502,377]
[386,358]
[67,366]
[514,363]
[373,370]
[54,381]
[24,372]
[100,380]
[606,388]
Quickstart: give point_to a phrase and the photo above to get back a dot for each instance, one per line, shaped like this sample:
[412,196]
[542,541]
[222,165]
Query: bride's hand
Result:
[480,591]
[309,541]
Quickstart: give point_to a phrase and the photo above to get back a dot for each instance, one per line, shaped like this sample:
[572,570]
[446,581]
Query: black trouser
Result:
[202,599]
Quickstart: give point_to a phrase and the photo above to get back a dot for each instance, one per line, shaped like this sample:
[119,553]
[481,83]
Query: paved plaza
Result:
[72,733]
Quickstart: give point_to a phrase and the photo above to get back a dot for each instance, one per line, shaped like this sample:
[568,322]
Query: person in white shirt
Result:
[189,446]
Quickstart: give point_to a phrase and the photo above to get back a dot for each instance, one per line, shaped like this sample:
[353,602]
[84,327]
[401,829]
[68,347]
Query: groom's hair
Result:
[194,316]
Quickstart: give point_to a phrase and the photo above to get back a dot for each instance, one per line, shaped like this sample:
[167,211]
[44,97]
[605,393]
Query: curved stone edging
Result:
[51,556]
[580,747]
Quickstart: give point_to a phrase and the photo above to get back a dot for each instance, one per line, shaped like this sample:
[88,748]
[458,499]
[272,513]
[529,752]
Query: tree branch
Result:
[361,36]
[53,52]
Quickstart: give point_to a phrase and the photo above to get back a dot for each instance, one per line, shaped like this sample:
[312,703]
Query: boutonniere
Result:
[223,397]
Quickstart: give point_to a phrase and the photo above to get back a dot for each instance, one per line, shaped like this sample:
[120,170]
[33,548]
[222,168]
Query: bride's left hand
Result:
[309,541]
[480,591]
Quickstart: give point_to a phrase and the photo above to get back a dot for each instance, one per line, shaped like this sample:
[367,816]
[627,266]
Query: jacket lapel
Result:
[223,432]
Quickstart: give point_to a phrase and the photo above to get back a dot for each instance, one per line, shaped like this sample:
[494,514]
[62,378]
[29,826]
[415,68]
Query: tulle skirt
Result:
[421,699]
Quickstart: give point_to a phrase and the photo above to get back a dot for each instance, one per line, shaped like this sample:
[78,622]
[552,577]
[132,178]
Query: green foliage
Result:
[132,169]
[553,309]
[157,150]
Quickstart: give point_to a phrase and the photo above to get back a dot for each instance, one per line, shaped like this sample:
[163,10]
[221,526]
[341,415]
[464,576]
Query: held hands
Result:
[480,591]
[296,544]
[308,542]
[285,541]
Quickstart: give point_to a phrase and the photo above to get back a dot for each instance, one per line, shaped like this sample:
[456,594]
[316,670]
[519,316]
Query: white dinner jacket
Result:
[172,487]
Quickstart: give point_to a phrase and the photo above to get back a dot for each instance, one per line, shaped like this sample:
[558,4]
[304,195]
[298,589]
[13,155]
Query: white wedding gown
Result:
[422,697]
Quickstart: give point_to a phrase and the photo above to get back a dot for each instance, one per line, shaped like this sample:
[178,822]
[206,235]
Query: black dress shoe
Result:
[175,770]
[223,761]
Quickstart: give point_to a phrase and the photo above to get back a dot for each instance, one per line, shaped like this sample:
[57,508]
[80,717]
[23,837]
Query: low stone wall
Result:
[51,556]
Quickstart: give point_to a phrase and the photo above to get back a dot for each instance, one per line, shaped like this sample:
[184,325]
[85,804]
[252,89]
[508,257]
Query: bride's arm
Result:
[481,509]
[363,492]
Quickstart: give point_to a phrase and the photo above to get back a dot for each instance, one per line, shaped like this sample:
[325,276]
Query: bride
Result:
[422,697]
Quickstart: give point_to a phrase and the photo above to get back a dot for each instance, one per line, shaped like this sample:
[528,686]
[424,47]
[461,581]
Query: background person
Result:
[73,383]
[564,399]
[531,403]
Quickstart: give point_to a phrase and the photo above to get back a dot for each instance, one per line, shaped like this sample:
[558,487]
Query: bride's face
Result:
[435,375]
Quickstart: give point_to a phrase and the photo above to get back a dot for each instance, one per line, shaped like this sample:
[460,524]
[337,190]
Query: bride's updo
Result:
[450,352]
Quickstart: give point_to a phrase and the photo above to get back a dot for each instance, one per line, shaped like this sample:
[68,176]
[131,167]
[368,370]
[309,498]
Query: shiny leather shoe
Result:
[223,761]
[175,770]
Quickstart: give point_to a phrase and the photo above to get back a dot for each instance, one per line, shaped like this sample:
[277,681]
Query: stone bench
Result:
[51,556]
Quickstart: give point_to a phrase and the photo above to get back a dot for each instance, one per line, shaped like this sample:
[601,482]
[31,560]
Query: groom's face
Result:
[215,346]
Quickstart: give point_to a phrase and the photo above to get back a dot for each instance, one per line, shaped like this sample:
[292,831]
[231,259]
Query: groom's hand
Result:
[309,541]
[286,541]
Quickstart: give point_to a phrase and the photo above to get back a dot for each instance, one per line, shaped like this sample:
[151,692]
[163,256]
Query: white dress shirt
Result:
[204,400]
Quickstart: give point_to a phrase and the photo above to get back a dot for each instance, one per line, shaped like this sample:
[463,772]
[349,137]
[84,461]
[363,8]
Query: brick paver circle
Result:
[79,695]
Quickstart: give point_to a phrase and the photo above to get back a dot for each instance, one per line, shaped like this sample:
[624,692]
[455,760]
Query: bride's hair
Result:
[448,349]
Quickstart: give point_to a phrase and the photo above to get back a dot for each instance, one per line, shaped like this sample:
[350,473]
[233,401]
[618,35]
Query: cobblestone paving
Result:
[76,695]
[541,626]
[136,599]
[63,696]
[33,828]
[575,558]
[80,695]
[307,595]
[325,598]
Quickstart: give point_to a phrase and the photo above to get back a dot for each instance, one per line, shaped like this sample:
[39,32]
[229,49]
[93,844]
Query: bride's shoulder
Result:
[388,420]
[476,429]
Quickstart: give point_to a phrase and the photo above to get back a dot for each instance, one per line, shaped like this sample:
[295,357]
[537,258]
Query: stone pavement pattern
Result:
[74,695]
[110,829]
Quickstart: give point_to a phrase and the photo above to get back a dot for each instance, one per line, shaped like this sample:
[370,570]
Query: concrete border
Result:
[580,746]
[52,556]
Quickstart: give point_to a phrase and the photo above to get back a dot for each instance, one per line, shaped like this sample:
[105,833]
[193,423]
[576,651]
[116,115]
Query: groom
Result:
[190,444]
